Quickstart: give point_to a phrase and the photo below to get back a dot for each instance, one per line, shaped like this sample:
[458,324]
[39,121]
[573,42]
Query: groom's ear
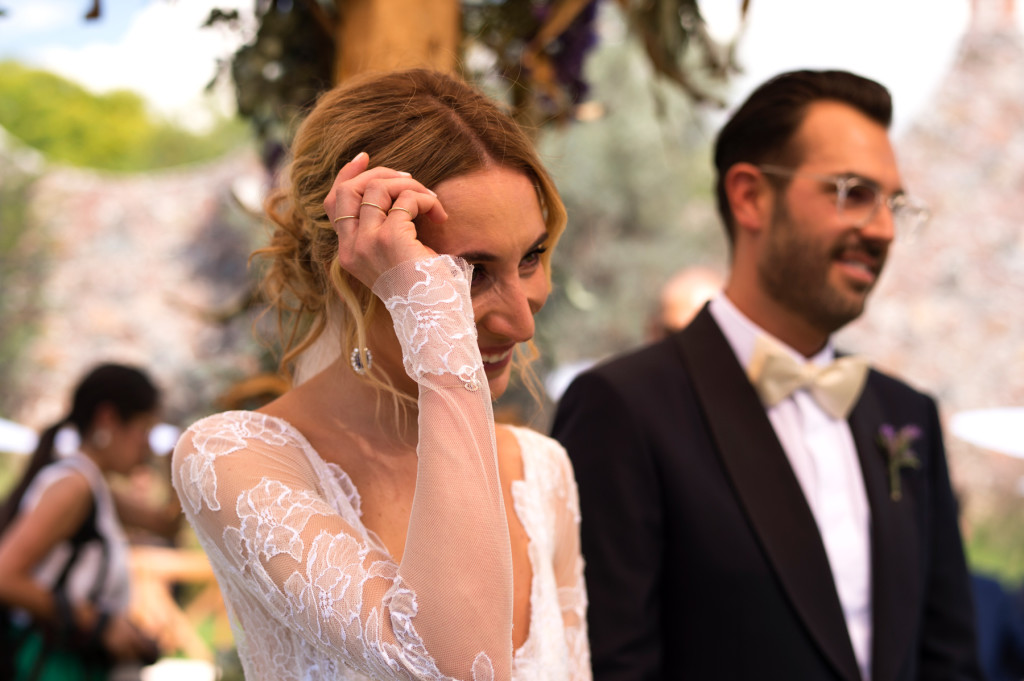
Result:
[750,199]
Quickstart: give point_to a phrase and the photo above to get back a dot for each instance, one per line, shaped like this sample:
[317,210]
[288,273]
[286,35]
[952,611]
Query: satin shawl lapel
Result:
[895,545]
[767,487]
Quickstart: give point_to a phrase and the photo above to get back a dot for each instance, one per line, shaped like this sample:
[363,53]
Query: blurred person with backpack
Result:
[64,572]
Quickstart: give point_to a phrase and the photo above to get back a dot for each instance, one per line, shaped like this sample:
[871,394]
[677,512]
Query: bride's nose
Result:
[509,313]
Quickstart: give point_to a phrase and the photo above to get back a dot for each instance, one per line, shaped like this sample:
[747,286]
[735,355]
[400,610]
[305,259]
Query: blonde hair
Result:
[429,124]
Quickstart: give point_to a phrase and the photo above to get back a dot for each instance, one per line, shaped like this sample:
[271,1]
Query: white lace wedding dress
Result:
[313,594]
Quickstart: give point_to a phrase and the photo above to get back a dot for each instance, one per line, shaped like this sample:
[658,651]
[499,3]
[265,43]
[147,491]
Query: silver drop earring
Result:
[357,360]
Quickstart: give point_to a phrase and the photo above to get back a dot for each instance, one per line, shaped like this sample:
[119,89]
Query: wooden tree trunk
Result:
[385,35]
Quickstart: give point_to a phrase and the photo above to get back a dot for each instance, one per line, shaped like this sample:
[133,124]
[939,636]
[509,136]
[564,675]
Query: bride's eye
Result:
[479,275]
[532,259]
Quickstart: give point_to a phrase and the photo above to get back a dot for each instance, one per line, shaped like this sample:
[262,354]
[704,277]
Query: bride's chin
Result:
[498,384]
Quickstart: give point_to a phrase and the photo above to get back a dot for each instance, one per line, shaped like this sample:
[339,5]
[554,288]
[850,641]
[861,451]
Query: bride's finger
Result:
[377,190]
[382,193]
[369,210]
[382,233]
[353,167]
[413,204]
[381,211]
[351,181]
[344,199]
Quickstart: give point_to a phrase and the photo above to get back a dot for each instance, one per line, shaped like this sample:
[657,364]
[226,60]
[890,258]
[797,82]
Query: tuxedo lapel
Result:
[767,487]
[894,545]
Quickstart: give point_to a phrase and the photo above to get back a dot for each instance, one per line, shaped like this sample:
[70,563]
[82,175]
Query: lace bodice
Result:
[314,594]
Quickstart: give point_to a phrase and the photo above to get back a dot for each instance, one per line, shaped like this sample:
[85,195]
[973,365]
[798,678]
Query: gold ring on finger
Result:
[367,203]
[394,208]
[345,217]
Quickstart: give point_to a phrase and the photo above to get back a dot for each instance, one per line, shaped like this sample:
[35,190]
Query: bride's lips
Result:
[496,358]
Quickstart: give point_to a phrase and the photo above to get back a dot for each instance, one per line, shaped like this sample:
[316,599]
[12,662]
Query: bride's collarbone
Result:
[386,480]
[383,470]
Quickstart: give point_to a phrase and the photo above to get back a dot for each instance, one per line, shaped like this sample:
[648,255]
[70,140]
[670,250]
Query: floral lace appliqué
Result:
[313,594]
[436,310]
[230,436]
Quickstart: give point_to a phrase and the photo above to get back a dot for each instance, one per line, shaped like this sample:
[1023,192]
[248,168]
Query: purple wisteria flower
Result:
[896,446]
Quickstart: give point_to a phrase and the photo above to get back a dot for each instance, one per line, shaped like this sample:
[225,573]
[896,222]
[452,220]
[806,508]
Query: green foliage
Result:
[111,131]
[996,545]
[279,74]
[21,271]
[529,54]
[636,180]
[636,183]
[10,469]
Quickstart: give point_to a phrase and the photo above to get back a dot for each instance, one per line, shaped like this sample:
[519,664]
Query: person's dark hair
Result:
[127,389]
[762,129]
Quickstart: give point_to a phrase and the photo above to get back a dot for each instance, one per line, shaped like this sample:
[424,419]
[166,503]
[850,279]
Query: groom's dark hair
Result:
[762,129]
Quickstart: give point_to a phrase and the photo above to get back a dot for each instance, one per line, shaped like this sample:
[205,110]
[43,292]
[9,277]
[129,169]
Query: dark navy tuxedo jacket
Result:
[703,560]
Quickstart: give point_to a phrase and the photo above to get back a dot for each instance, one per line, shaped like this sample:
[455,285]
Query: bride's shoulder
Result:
[543,454]
[531,440]
[249,423]
[237,450]
[230,431]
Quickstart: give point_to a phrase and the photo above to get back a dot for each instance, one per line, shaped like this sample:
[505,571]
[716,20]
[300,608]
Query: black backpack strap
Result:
[65,632]
[65,629]
[86,533]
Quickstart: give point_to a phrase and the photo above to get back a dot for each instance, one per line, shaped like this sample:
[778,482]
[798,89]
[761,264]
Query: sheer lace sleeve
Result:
[458,559]
[298,572]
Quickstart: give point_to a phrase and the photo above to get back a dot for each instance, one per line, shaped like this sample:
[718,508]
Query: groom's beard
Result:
[799,269]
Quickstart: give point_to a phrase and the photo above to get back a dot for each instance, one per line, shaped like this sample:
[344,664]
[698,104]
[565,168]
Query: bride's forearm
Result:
[457,557]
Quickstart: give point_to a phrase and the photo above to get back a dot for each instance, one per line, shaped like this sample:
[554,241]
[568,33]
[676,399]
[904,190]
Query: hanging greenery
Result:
[531,51]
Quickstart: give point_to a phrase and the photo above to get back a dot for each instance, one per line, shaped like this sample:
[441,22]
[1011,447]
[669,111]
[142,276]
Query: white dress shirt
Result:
[823,456]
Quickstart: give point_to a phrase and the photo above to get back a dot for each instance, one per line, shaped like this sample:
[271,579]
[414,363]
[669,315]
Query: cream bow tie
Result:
[776,374]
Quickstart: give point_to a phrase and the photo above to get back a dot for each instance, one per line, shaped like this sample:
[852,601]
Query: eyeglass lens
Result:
[859,201]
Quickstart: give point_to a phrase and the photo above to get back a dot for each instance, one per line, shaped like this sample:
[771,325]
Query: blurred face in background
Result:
[128,443]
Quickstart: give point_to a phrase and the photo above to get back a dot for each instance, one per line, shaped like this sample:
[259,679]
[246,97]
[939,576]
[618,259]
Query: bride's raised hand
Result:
[372,212]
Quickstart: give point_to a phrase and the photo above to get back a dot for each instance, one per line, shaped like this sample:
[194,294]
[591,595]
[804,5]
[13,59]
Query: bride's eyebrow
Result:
[485,257]
[477,256]
[539,242]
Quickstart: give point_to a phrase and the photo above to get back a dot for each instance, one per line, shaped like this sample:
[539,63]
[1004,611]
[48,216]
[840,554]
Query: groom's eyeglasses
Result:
[858,199]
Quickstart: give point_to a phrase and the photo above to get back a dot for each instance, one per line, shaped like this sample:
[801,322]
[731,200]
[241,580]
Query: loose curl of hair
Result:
[429,124]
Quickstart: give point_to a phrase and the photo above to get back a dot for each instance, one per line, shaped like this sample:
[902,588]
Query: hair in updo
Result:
[426,123]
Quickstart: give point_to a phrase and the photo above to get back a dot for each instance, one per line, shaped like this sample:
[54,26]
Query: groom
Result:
[751,508]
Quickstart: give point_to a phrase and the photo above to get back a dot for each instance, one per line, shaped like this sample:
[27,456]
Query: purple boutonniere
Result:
[896,446]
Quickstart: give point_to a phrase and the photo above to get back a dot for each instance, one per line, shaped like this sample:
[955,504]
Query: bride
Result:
[373,522]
